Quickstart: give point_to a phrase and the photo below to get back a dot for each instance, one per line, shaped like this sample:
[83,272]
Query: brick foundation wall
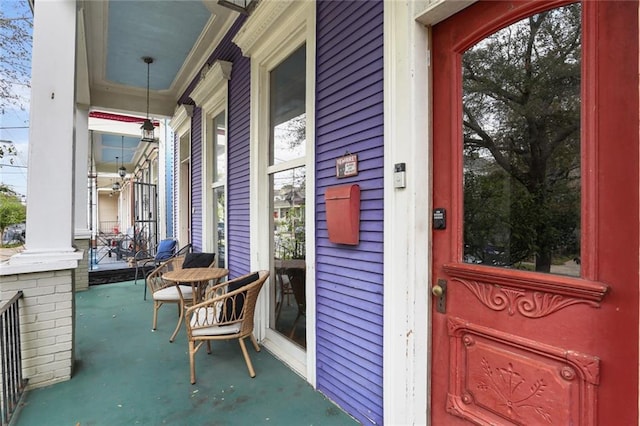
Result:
[82,271]
[46,323]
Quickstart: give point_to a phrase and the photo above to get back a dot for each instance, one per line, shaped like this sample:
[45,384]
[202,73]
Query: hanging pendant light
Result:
[122,171]
[116,185]
[147,126]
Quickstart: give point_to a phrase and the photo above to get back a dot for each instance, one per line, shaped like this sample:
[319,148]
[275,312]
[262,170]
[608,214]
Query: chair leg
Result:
[145,282]
[192,361]
[252,372]
[156,306]
[193,349]
[255,343]
[295,323]
[180,317]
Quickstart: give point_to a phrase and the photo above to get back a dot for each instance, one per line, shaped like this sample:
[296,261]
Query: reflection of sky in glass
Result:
[289,140]
[220,148]
[221,163]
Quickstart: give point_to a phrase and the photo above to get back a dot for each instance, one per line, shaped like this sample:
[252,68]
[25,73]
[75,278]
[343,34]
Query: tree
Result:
[7,149]
[521,118]
[15,57]
[11,209]
[15,61]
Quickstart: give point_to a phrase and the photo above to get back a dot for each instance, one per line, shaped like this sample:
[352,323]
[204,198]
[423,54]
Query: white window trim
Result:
[211,94]
[181,125]
[181,121]
[270,35]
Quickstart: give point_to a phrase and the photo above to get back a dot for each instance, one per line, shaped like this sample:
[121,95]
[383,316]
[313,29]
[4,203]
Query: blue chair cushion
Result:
[166,249]
[198,260]
[227,314]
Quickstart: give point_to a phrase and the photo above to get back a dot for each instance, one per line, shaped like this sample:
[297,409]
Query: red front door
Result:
[535,239]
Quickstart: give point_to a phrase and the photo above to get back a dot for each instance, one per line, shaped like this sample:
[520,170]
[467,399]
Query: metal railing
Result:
[13,384]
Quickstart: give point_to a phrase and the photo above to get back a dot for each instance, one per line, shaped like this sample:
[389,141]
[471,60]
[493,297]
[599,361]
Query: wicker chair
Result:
[224,315]
[168,292]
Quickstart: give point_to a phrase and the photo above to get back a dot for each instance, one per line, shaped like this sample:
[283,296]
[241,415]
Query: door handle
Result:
[439,291]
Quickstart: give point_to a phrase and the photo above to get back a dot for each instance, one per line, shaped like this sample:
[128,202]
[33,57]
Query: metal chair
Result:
[164,251]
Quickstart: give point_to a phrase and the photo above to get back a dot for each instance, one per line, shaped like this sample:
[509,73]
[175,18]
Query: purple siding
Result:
[169,186]
[238,156]
[196,179]
[349,280]
[238,160]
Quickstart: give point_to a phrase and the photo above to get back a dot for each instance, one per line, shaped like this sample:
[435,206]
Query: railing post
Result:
[13,384]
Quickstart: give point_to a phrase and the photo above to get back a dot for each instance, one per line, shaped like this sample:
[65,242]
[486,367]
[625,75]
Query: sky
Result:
[14,121]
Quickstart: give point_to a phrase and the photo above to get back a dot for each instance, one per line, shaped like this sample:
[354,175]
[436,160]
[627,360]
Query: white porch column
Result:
[45,271]
[51,140]
[82,233]
[81,196]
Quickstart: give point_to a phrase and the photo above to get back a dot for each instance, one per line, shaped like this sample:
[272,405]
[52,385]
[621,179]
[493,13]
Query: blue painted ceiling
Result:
[163,30]
[123,147]
[115,35]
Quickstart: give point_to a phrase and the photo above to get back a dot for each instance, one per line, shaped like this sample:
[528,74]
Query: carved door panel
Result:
[535,239]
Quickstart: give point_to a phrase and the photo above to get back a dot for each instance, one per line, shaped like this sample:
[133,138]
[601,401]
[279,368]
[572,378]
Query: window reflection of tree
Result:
[521,125]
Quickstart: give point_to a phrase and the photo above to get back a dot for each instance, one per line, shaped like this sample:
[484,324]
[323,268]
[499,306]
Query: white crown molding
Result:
[436,11]
[261,20]
[181,122]
[211,37]
[210,87]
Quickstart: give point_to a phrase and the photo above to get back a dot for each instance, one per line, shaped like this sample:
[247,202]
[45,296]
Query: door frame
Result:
[272,33]
[184,191]
[407,246]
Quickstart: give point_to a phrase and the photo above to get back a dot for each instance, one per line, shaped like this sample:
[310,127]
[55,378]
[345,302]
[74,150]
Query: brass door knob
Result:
[437,291]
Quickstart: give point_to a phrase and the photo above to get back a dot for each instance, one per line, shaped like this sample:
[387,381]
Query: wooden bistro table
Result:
[198,279]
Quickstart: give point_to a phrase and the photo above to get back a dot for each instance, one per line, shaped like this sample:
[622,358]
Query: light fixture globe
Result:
[122,170]
[147,126]
[121,173]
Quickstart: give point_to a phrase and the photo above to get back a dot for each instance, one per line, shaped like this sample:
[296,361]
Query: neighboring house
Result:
[387,319]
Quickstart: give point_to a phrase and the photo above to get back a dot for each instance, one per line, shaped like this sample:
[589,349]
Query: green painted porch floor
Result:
[128,375]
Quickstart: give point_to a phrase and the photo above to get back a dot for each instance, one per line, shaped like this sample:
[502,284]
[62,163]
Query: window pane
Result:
[288,206]
[287,108]
[220,214]
[521,124]
[220,147]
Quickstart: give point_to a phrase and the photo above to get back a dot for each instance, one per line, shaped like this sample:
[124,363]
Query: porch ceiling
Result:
[113,36]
